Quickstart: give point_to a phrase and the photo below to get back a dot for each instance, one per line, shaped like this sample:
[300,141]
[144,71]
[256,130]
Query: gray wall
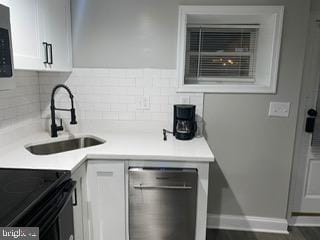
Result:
[124,33]
[315,5]
[254,152]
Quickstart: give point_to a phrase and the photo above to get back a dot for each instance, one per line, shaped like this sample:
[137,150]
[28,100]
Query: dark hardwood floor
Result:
[300,233]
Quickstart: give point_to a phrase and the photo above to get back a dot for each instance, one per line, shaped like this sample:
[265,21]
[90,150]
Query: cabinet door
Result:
[106,196]
[79,208]
[57,32]
[26,30]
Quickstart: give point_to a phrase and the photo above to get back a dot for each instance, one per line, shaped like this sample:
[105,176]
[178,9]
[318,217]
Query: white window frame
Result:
[270,19]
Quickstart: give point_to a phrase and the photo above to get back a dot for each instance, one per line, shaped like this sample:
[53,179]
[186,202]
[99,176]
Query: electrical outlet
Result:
[143,102]
[279,109]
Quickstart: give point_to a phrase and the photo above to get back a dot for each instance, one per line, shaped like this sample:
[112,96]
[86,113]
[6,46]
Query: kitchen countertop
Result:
[126,145]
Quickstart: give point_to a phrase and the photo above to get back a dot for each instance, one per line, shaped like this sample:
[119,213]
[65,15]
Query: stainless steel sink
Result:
[64,146]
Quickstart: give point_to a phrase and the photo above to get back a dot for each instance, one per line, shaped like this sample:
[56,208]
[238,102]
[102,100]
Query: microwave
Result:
[6,58]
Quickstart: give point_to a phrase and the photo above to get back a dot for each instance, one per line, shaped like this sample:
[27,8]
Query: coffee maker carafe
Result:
[184,122]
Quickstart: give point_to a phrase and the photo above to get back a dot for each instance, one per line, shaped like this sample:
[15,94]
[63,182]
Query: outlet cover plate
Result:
[143,103]
[279,109]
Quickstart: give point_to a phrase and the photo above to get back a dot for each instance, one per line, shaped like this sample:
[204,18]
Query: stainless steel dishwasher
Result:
[162,203]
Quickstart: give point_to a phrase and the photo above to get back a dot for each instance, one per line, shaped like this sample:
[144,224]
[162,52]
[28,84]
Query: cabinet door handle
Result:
[45,44]
[75,203]
[51,55]
[311,120]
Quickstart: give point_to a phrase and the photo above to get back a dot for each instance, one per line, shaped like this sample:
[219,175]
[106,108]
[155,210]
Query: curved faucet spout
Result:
[61,86]
[54,127]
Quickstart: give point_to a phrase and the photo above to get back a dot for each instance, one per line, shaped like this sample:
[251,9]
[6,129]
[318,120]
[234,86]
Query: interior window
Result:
[220,53]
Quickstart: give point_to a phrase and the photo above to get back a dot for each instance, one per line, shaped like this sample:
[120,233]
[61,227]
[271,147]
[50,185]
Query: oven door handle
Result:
[48,219]
[46,223]
[162,187]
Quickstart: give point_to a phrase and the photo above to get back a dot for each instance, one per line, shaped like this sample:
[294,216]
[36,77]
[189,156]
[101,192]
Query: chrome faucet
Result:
[54,127]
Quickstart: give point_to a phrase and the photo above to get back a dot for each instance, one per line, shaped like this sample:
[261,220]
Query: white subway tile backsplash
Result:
[159,116]
[154,108]
[127,116]
[152,73]
[167,91]
[127,99]
[134,91]
[112,94]
[90,114]
[159,100]
[119,107]
[143,116]
[117,73]
[134,73]
[133,107]
[168,73]
[110,115]
[166,108]
[143,82]
[21,103]
[162,82]
[151,91]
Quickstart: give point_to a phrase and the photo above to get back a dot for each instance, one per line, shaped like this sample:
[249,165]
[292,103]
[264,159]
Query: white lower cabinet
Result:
[106,200]
[101,212]
[80,215]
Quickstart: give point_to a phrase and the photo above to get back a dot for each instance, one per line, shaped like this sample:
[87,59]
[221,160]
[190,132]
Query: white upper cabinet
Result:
[34,22]
[26,33]
[57,34]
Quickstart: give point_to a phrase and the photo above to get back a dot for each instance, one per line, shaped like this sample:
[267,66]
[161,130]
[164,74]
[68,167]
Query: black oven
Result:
[53,215]
[38,198]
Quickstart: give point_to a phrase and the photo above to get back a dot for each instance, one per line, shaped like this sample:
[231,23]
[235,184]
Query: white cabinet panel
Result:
[56,15]
[26,28]
[34,22]
[80,208]
[106,196]
[313,182]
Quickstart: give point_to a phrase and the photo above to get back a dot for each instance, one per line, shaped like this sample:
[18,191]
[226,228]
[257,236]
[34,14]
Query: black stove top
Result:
[21,189]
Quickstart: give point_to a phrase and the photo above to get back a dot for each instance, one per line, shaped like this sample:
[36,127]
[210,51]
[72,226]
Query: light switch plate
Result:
[143,102]
[279,109]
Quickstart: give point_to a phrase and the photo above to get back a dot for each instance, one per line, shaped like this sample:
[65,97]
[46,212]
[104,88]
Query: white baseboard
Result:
[248,223]
[305,221]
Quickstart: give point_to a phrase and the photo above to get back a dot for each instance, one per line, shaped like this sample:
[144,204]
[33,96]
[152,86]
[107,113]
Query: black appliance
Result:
[6,61]
[184,121]
[38,198]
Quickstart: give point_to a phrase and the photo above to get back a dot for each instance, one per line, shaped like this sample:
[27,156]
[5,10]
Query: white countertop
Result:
[128,146]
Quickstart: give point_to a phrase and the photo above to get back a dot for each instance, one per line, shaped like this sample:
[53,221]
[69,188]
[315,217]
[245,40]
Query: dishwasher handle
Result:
[141,186]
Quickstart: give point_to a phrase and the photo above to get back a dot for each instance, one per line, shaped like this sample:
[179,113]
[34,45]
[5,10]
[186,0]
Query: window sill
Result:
[228,88]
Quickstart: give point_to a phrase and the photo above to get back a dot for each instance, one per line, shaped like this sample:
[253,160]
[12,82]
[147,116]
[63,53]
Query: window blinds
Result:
[220,53]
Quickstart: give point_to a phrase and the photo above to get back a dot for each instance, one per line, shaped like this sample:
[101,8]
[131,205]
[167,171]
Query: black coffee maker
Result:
[184,121]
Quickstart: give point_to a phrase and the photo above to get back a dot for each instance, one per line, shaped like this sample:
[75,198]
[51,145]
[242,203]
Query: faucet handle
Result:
[73,117]
[60,128]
